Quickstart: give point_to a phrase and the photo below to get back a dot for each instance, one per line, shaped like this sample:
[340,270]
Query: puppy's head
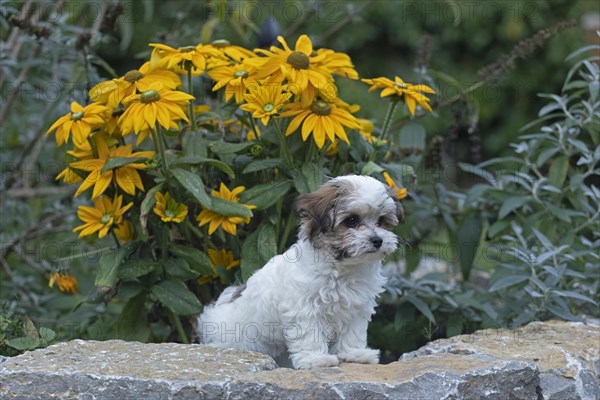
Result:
[350,218]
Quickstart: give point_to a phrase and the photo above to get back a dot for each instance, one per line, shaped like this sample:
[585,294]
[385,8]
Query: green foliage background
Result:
[383,38]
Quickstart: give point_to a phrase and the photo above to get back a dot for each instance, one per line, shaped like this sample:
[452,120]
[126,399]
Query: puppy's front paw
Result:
[314,360]
[362,356]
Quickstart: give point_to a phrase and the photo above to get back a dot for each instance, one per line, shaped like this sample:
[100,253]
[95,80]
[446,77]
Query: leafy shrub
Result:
[194,194]
[532,221]
[547,231]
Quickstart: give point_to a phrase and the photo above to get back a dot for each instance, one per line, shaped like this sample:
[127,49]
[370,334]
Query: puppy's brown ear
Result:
[314,209]
[393,193]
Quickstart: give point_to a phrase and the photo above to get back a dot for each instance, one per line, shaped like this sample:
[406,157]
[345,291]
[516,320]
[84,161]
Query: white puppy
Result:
[310,306]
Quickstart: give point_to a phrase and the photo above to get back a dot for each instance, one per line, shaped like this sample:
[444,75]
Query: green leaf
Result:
[511,204]
[468,237]
[148,204]
[475,170]
[313,176]
[116,162]
[46,335]
[132,269]
[267,243]
[229,208]
[574,295]
[194,144]
[412,136]
[250,257]
[174,295]
[180,268]
[476,192]
[133,324]
[23,343]
[559,213]
[265,195]
[108,267]
[421,306]
[194,185]
[197,260]
[228,148]
[558,171]
[546,154]
[507,282]
[497,227]
[261,165]
[371,168]
[193,160]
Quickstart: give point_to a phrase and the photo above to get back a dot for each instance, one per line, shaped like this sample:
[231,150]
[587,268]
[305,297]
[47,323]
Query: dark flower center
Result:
[298,60]
[133,76]
[149,96]
[321,107]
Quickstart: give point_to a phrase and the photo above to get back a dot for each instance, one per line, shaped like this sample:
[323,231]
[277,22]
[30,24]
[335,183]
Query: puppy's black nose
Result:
[377,241]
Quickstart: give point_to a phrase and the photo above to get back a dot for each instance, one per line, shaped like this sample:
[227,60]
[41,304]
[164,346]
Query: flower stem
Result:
[114,235]
[388,118]
[158,146]
[283,153]
[191,104]
[177,322]
[310,155]
[164,240]
[253,125]
[286,232]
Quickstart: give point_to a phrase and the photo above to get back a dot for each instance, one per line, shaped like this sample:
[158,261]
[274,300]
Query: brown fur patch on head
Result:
[314,209]
[399,209]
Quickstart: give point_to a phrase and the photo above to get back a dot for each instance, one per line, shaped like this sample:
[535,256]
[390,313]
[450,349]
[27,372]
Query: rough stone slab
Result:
[116,369]
[130,370]
[449,377]
[566,353]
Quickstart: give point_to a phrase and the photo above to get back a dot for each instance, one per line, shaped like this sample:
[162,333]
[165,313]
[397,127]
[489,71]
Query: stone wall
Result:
[551,360]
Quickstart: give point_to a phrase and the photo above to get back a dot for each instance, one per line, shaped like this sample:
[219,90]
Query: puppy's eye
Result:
[381,221]
[352,221]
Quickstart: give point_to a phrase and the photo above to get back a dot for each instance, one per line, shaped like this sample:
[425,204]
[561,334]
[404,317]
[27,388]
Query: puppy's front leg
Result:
[307,346]
[352,344]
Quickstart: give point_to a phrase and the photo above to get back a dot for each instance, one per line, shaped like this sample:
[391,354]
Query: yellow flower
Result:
[232,52]
[366,130]
[125,232]
[338,63]
[228,223]
[399,193]
[265,101]
[168,209]
[183,58]
[69,176]
[126,176]
[80,121]
[323,119]
[157,104]
[218,258]
[411,93]
[235,78]
[300,66]
[114,91]
[65,281]
[102,216]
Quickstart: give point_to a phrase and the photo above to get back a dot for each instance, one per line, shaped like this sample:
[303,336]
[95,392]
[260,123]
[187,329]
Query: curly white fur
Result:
[310,306]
